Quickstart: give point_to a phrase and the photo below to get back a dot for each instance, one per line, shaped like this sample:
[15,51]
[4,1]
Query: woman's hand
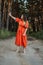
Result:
[24,34]
[12,16]
[9,14]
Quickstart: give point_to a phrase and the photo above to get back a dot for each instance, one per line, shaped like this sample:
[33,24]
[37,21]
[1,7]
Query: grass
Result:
[37,35]
[4,34]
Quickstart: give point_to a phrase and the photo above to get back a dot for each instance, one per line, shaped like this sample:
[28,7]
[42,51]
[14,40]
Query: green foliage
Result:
[6,34]
[37,35]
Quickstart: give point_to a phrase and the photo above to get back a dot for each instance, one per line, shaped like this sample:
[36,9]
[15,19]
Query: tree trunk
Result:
[9,10]
[0,13]
[3,14]
[2,5]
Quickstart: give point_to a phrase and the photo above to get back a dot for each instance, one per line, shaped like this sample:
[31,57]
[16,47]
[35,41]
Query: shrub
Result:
[6,34]
[38,35]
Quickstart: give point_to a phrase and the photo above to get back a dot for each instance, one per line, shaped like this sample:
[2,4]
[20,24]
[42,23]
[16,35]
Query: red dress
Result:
[20,39]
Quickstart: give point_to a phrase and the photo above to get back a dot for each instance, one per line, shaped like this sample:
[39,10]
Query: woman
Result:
[21,38]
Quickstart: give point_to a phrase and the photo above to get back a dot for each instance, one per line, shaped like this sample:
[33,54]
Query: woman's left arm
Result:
[25,32]
[26,27]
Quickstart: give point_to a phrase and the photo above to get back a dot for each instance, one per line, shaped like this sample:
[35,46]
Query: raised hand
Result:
[9,14]
[12,16]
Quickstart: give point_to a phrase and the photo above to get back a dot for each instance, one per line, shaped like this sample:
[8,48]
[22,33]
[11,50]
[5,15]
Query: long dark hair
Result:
[24,17]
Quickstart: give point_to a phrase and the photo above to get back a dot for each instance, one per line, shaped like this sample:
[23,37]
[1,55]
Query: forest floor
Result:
[32,56]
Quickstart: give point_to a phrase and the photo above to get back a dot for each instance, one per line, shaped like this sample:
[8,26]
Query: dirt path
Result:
[33,55]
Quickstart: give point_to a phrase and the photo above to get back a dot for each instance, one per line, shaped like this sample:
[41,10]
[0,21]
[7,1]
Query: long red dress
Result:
[20,39]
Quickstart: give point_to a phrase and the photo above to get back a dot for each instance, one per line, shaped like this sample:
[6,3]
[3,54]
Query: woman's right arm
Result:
[12,16]
[16,19]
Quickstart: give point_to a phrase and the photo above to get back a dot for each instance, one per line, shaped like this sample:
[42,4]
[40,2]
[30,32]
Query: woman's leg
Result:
[22,49]
[19,49]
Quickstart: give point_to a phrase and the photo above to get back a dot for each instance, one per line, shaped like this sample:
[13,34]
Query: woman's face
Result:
[22,16]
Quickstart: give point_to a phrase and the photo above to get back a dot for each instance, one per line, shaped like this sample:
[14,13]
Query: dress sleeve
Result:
[17,20]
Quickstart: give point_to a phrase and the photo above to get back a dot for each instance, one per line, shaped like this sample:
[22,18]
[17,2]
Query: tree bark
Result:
[9,10]
[0,14]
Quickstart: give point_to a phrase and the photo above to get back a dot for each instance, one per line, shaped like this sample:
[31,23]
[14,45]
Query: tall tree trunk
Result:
[0,13]
[3,13]
[9,9]
[2,5]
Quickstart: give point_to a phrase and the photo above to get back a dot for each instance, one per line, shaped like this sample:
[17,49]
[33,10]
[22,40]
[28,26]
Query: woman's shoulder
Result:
[27,22]
[18,20]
